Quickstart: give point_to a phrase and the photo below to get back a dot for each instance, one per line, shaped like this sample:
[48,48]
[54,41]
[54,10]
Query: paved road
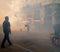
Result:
[35,42]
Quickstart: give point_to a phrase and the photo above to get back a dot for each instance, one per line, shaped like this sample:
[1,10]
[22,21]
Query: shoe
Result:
[10,44]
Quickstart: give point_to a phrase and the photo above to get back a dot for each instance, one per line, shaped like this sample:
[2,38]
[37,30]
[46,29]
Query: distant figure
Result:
[55,38]
[28,27]
[6,30]
[57,30]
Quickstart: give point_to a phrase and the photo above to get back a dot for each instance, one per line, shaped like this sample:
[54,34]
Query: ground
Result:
[30,42]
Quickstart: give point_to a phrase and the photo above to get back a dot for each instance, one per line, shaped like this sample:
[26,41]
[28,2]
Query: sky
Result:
[21,12]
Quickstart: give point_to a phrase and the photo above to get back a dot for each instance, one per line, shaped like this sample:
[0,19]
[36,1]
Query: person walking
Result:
[7,31]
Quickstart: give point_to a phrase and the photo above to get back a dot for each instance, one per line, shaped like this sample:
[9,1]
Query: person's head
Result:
[7,18]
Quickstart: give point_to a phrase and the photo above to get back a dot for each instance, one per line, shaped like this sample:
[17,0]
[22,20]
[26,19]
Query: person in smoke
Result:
[56,34]
[28,27]
[7,31]
[57,30]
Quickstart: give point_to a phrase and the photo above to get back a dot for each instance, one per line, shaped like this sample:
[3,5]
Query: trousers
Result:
[6,38]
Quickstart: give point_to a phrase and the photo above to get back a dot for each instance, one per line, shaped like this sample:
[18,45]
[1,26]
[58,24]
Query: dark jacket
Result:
[6,26]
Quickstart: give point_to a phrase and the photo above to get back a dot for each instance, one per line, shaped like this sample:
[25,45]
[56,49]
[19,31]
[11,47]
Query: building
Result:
[51,13]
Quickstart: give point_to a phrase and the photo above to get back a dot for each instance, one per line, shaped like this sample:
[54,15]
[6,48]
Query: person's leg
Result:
[8,39]
[3,43]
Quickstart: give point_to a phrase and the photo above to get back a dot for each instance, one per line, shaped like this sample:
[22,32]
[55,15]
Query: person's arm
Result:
[9,28]
[3,27]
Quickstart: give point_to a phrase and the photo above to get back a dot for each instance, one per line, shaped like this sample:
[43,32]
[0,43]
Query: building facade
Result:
[51,14]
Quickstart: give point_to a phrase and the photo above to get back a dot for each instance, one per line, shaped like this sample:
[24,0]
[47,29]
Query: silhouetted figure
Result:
[57,30]
[55,38]
[6,30]
[28,27]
